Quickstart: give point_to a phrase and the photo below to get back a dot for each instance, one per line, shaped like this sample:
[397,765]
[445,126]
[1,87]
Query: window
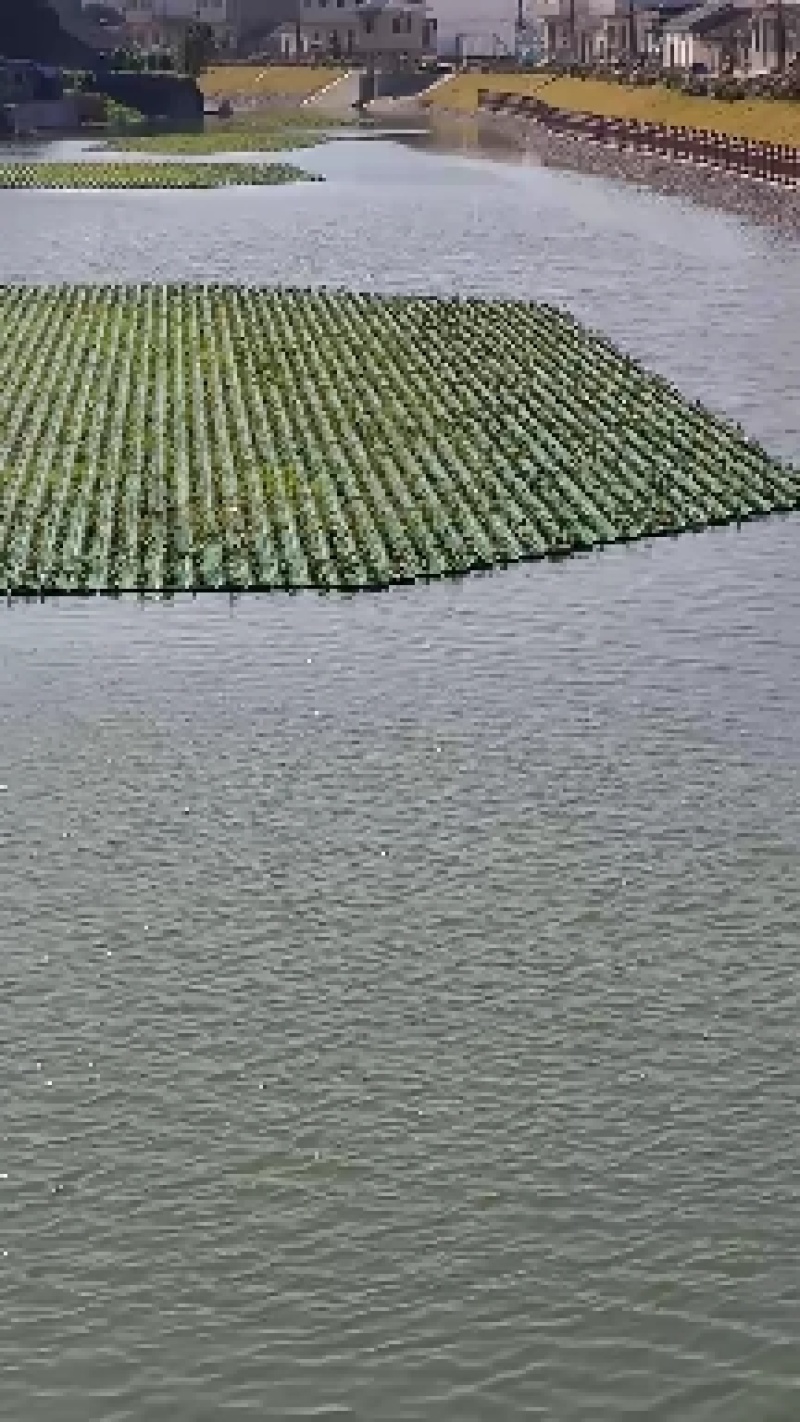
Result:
[340,4]
[397,25]
[369,26]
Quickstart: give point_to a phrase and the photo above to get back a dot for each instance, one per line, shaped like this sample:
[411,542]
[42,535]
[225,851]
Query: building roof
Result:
[386,5]
[663,8]
[708,16]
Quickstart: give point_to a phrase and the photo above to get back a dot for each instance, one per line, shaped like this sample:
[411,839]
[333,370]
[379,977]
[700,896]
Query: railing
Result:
[773,162]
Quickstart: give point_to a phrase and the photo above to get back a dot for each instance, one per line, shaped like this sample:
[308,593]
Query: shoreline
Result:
[765,203]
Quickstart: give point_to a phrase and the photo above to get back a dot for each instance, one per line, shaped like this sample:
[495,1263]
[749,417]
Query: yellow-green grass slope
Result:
[169,438]
[90,175]
[765,120]
[266,82]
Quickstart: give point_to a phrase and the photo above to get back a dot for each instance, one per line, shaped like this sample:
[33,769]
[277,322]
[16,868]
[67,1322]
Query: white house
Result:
[765,23]
[231,20]
[212,12]
[469,29]
[390,33]
[151,21]
[707,38]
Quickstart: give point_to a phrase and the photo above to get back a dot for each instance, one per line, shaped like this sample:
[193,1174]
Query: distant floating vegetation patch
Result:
[207,437]
[97,175]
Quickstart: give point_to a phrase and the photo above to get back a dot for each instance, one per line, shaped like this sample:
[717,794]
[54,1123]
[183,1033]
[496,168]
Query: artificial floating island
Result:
[188,437]
[91,175]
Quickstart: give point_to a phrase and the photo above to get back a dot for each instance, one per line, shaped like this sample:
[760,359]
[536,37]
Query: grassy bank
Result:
[767,120]
[207,437]
[84,176]
[272,81]
[263,131]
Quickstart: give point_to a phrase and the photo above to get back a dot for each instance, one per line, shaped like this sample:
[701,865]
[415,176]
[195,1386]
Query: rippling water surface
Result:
[399,993]
[711,302]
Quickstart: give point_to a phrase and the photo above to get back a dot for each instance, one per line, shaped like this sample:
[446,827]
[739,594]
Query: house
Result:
[22,81]
[236,24]
[608,31]
[100,27]
[709,39]
[476,29]
[393,34]
[768,49]
[651,21]
[586,31]
[156,23]
[32,98]
[721,36]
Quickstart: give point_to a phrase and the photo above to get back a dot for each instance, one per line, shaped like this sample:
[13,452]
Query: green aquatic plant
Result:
[258,131]
[100,175]
[189,437]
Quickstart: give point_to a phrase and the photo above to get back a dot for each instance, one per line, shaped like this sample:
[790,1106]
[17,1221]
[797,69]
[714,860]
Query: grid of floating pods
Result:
[101,175]
[192,437]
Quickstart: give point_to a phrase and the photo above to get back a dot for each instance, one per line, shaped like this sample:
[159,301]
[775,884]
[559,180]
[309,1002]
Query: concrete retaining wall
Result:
[389,85]
[41,115]
[753,198]
[157,96]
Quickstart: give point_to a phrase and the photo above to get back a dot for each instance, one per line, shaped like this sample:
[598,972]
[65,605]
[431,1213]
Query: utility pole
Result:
[633,45]
[780,37]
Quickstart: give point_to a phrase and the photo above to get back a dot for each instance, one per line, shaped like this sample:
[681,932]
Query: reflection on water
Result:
[399,993]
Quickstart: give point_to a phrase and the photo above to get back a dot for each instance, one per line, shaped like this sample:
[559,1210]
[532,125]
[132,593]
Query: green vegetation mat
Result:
[189,437]
[234,141]
[89,175]
[244,133]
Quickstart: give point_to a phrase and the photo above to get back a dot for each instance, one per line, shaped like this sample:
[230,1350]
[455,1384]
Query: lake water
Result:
[709,301]
[400,993]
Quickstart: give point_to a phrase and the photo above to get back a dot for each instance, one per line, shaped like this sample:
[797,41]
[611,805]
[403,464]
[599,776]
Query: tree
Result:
[31,29]
[633,47]
[780,37]
[197,49]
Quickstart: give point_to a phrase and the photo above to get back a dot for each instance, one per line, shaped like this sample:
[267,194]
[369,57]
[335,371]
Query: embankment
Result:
[756,200]
[764,120]
[267,83]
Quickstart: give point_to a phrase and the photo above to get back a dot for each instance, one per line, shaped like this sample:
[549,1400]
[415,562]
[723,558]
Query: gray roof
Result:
[387,5]
[663,7]
[705,17]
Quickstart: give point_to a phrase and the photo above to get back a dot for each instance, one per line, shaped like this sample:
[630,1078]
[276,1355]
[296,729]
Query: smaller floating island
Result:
[99,175]
[179,438]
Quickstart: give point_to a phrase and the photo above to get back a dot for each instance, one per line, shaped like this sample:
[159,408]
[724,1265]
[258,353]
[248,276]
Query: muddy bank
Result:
[752,198]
